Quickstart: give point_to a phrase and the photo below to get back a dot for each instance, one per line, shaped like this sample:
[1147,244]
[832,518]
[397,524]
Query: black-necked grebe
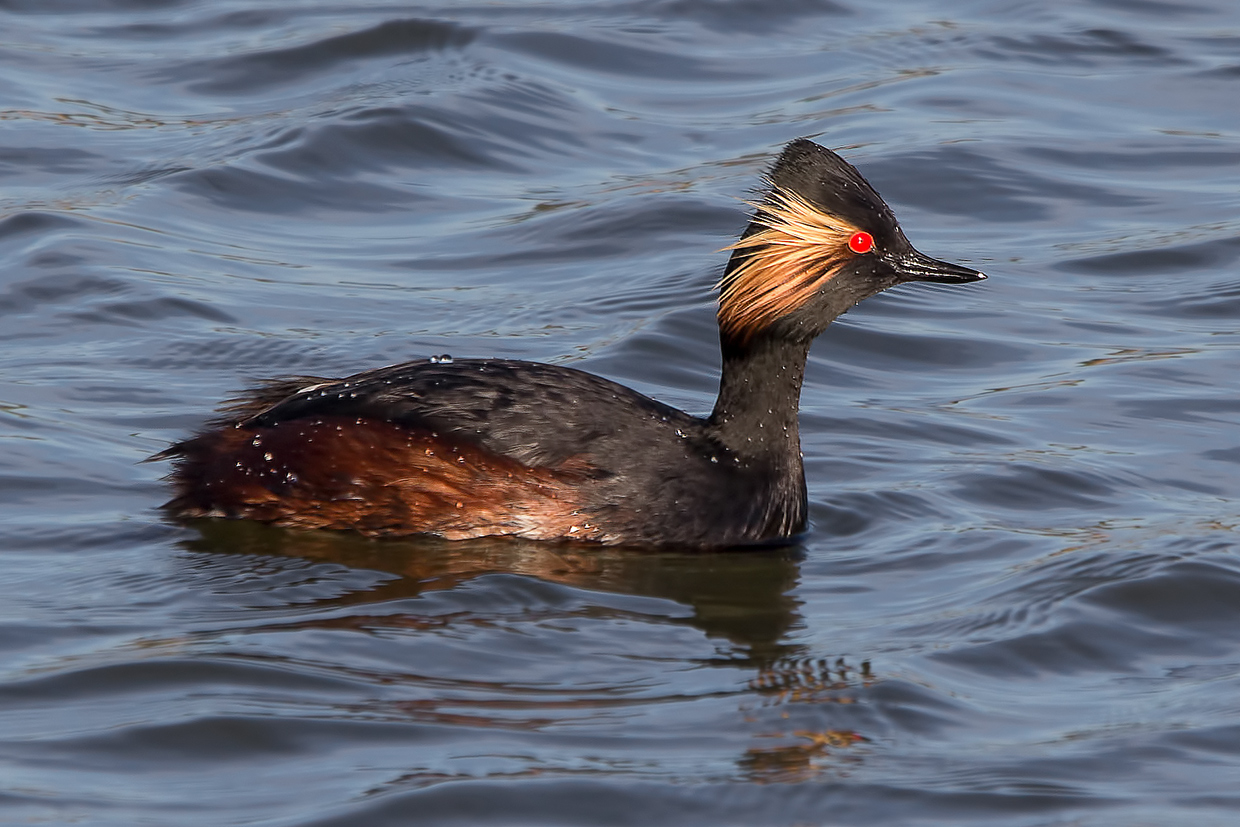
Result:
[475,447]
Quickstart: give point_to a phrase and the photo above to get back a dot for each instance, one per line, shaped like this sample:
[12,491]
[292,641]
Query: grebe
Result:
[475,447]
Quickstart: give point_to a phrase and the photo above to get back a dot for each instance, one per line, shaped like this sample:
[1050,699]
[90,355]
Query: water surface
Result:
[1018,604]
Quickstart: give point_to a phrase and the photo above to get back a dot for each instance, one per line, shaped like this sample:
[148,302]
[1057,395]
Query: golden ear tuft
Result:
[797,250]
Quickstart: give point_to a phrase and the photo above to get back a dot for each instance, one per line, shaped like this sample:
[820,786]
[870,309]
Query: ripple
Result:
[960,180]
[599,55]
[1090,48]
[21,161]
[260,71]
[1028,487]
[1210,254]
[1197,601]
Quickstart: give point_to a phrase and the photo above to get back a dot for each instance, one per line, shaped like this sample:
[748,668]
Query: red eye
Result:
[861,242]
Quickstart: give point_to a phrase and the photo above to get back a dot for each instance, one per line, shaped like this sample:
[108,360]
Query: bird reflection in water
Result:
[796,754]
[742,600]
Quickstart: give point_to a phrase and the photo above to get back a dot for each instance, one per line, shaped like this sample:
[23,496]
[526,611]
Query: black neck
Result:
[755,415]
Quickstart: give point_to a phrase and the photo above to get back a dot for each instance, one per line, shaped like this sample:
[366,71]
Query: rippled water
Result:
[1019,603]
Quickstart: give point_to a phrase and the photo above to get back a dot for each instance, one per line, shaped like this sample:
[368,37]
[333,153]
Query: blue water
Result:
[1018,604]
